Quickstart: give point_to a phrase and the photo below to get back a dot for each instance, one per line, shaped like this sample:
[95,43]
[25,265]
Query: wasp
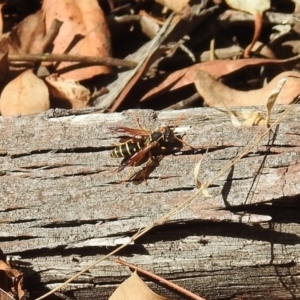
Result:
[143,144]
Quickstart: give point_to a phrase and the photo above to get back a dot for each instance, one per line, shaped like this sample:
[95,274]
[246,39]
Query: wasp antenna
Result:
[179,120]
[137,121]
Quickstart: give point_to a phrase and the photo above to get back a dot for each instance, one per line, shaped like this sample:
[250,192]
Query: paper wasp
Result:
[143,144]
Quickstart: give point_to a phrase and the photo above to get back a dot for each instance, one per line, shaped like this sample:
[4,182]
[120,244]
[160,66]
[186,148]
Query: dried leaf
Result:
[256,8]
[175,5]
[70,90]
[28,35]
[134,288]
[254,118]
[216,93]
[10,280]
[273,97]
[234,119]
[26,94]
[198,183]
[216,68]
[1,18]
[251,118]
[5,296]
[149,27]
[84,32]
[250,6]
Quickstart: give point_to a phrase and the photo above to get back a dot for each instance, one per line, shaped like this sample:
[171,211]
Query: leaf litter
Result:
[161,60]
[11,280]
[167,40]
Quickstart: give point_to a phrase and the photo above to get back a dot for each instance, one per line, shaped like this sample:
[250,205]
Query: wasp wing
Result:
[136,158]
[130,131]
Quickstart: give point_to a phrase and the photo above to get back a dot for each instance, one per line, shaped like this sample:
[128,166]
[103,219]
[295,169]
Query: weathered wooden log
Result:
[62,205]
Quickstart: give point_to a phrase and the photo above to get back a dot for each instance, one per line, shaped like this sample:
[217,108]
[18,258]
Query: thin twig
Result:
[51,35]
[185,103]
[93,60]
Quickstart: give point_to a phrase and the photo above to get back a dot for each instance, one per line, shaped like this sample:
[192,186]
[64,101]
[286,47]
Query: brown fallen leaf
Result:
[10,280]
[26,94]
[1,17]
[134,288]
[256,117]
[5,296]
[28,35]
[256,8]
[69,90]
[216,94]
[84,32]
[175,5]
[216,68]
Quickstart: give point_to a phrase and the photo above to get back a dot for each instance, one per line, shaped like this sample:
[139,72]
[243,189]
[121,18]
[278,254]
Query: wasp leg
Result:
[128,175]
[151,164]
[185,143]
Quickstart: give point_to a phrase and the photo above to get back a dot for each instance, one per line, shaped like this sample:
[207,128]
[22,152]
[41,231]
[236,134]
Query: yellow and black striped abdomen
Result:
[127,149]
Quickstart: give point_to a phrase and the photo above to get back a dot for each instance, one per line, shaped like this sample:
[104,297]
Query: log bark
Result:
[63,205]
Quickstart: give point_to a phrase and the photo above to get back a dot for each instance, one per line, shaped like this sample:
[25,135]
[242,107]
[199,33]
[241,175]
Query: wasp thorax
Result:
[156,136]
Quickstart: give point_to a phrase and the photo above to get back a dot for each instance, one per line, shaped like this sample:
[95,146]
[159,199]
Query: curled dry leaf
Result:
[256,117]
[217,94]
[70,90]
[256,8]
[84,32]
[25,95]
[217,68]
[273,97]
[251,118]
[198,183]
[134,288]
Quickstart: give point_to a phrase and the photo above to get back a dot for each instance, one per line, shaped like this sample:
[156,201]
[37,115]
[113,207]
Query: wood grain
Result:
[62,205]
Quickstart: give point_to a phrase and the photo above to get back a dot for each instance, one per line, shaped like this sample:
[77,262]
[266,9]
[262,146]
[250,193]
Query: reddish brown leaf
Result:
[10,281]
[28,35]
[84,32]
[217,68]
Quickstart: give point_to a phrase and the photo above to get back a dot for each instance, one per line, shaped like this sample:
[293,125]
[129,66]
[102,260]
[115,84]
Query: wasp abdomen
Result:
[126,150]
